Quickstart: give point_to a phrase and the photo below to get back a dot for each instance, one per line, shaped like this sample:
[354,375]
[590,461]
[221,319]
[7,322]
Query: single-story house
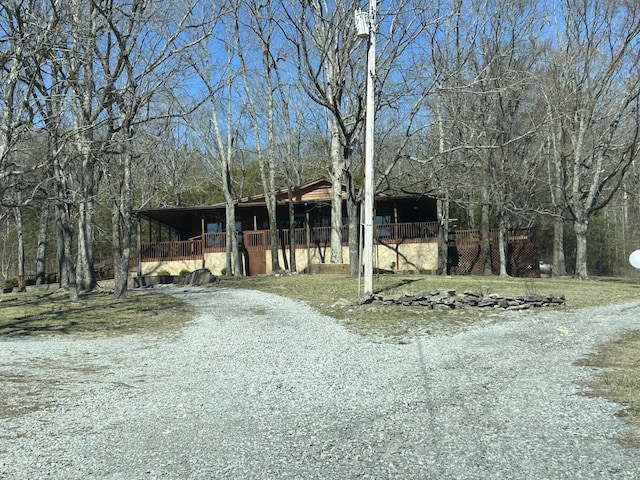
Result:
[176,239]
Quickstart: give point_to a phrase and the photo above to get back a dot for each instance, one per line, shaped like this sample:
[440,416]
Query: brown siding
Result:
[318,194]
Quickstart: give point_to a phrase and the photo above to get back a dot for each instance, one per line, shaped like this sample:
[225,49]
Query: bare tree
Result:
[86,103]
[325,40]
[41,252]
[27,28]
[555,177]
[331,66]
[32,29]
[140,63]
[499,126]
[168,171]
[292,128]
[218,131]
[470,114]
[596,73]
[106,65]
[262,25]
[451,42]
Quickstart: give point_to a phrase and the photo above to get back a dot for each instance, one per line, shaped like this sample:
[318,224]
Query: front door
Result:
[254,245]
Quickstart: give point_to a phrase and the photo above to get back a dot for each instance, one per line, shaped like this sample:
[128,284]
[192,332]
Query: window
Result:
[214,227]
[214,240]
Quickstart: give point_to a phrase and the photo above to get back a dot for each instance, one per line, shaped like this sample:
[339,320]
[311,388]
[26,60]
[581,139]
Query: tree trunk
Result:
[121,228]
[85,113]
[485,234]
[559,267]
[86,275]
[17,213]
[337,175]
[443,234]
[502,246]
[63,276]
[67,265]
[234,262]
[121,238]
[581,227]
[353,209]
[120,289]
[471,215]
[274,237]
[41,252]
[64,227]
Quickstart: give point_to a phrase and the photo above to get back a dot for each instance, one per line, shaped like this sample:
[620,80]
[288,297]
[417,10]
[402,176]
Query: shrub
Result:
[184,272]
[163,273]
[10,283]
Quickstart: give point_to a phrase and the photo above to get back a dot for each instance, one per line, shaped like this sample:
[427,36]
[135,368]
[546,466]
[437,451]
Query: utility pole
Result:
[368,30]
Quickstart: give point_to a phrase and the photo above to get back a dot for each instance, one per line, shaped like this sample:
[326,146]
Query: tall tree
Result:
[331,63]
[596,72]
[500,75]
[139,59]
[218,129]
[325,40]
[262,24]
[87,105]
[26,29]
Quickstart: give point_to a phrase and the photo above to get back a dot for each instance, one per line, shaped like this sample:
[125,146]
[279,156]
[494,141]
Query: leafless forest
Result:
[512,113]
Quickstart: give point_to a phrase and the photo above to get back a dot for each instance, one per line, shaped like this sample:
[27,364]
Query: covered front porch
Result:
[179,239]
[400,246]
[176,239]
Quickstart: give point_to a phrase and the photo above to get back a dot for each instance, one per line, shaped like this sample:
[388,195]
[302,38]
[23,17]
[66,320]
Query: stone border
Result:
[448,300]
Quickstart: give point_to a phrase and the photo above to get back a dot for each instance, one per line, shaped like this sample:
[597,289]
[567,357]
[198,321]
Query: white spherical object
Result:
[634,259]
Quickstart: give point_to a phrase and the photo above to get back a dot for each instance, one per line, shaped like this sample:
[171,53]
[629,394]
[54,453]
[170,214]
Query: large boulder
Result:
[202,276]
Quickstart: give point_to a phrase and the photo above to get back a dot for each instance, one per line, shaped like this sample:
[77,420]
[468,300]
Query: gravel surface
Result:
[264,387]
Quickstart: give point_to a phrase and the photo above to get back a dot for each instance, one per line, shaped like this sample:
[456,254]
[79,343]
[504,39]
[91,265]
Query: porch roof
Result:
[179,218]
[316,192]
[311,192]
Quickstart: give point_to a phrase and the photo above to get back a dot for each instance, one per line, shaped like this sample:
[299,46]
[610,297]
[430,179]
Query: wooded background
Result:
[512,113]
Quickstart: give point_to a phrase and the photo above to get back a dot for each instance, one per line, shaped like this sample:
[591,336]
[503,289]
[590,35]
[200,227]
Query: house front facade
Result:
[178,239]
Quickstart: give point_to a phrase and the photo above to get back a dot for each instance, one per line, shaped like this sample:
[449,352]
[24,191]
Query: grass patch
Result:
[335,295]
[619,379]
[96,314]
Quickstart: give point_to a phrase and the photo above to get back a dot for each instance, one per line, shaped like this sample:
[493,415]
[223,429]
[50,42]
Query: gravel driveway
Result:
[263,387]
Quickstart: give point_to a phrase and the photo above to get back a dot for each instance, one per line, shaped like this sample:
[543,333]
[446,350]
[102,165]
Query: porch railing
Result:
[216,242]
[177,250]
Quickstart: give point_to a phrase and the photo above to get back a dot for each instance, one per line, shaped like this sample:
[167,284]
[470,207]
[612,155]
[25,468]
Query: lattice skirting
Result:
[522,258]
